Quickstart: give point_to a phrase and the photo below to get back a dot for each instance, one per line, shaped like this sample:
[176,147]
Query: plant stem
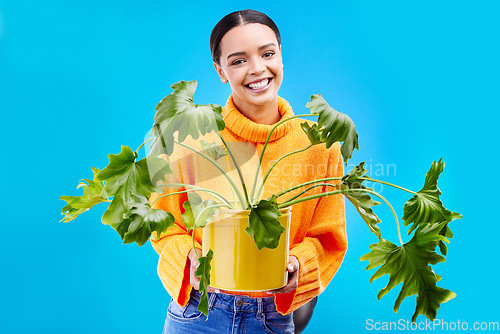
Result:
[328,193]
[231,182]
[208,207]
[194,246]
[143,144]
[264,149]
[228,164]
[239,171]
[234,197]
[311,187]
[390,206]
[389,184]
[194,188]
[274,164]
[174,193]
[192,234]
[309,182]
[214,193]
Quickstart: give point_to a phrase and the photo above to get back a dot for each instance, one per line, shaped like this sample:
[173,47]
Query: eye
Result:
[268,54]
[237,62]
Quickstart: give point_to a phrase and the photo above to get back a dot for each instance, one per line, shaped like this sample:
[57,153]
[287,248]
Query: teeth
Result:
[259,85]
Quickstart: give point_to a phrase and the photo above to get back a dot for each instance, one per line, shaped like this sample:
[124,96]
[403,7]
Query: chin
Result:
[262,99]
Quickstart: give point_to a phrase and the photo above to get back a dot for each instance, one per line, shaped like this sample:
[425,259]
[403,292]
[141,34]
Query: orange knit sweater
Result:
[317,236]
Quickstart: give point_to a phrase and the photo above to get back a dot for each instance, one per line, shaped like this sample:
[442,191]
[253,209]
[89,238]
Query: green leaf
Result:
[312,133]
[212,150]
[410,264]
[264,224]
[448,234]
[362,201]
[197,212]
[356,174]
[425,207]
[92,195]
[334,126]
[126,178]
[140,220]
[203,272]
[178,112]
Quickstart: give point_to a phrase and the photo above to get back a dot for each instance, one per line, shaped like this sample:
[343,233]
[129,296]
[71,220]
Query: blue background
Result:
[78,79]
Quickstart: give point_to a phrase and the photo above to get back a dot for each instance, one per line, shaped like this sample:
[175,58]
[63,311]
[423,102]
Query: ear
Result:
[220,72]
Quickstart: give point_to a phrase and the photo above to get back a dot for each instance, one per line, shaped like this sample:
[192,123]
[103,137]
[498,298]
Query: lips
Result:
[259,85]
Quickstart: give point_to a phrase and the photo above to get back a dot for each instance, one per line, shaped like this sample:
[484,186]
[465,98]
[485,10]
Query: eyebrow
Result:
[241,53]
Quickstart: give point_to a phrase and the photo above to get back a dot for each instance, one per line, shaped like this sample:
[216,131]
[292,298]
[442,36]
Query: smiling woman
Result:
[254,69]
[246,52]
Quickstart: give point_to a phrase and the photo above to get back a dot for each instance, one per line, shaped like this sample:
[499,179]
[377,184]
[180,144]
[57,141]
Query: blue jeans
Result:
[227,314]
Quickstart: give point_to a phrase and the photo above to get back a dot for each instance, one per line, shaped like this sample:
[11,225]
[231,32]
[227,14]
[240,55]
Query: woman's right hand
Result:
[193,280]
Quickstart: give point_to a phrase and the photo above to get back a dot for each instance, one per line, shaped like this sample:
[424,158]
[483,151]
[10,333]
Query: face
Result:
[251,62]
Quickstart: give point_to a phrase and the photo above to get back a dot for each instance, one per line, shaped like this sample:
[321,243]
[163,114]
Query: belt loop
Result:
[260,310]
[185,307]
[211,301]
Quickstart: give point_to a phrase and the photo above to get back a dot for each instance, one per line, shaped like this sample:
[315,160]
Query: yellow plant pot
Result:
[238,265]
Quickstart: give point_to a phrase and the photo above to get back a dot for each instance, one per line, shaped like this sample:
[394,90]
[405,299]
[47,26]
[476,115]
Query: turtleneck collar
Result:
[250,131]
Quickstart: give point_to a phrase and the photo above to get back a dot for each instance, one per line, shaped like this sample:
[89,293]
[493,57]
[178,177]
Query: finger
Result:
[195,282]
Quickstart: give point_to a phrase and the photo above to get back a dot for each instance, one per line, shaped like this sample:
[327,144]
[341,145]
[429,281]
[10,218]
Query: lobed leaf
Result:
[362,201]
[126,178]
[198,213]
[92,195]
[203,272]
[141,220]
[425,207]
[178,112]
[312,133]
[212,150]
[264,224]
[410,264]
[334,126]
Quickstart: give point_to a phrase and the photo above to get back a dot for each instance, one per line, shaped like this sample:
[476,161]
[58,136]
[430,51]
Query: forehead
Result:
[247,37]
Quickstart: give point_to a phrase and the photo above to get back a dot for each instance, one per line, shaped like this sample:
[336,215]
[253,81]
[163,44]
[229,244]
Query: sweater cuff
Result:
[174,267]
[309,280]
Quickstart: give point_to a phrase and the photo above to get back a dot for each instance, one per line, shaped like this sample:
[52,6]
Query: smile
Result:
[259,86]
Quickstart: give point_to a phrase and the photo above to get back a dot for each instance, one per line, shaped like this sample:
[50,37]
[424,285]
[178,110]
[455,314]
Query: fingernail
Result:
[217,291]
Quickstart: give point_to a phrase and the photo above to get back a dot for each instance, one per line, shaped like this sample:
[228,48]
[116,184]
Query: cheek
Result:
[278,68]
[235,77]
[278,72]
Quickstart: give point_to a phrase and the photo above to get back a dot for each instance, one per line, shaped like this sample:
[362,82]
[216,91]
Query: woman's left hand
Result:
[293,276]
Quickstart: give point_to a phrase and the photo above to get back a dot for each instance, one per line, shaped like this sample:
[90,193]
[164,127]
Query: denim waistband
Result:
[239,303]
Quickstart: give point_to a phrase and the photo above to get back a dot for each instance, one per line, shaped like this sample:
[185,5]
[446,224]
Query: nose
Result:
[257,66]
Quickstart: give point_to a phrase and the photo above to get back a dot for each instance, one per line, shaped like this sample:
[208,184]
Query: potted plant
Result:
[238,264]
[128,182]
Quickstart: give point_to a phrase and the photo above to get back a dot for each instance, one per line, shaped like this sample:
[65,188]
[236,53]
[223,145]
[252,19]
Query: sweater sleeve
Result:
[322,250]
[173,247]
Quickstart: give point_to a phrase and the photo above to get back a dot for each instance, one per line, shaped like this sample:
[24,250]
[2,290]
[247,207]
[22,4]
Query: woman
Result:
[246,50]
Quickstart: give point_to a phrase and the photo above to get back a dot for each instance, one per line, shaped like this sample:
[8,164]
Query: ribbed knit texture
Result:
[317,234]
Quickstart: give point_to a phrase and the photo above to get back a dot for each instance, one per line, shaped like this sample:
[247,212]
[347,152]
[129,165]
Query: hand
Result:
[293,276]
[193,280]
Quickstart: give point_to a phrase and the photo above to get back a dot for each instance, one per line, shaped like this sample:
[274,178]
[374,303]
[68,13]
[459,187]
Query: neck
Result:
[260,114]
